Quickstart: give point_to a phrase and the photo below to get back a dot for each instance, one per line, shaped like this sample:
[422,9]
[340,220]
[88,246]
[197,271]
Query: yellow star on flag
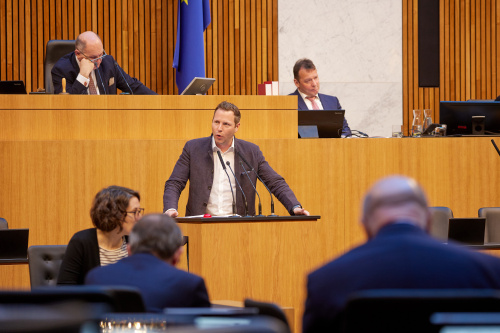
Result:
[186,1]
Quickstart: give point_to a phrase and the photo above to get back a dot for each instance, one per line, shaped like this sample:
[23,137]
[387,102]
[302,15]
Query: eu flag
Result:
[193,17]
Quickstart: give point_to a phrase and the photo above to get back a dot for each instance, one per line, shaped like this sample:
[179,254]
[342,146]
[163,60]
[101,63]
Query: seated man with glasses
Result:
[89,70]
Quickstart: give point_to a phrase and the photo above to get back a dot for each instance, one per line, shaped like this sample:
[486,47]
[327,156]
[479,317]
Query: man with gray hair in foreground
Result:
[399,254]
[155,247]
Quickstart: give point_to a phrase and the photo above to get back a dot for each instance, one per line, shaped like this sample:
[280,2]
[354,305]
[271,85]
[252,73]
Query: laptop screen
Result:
[12,87]
[468,231]
[14,243]
[320,123]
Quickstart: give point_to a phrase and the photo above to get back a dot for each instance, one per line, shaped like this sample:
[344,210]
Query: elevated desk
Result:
[75,117]
[239,219]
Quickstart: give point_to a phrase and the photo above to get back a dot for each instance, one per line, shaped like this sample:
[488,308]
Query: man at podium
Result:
[210,164]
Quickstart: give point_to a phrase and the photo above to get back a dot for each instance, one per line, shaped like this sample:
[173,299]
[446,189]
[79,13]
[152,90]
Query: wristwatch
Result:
[293,208]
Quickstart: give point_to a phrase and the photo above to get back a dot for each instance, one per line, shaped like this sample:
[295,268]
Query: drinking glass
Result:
[427,118]
[397,131]
[418,122]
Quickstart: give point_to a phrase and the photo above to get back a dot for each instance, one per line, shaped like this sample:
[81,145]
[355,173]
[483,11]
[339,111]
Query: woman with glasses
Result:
[114,212]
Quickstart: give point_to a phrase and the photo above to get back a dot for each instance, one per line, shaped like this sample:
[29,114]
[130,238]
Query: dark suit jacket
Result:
[107,75]
[329,103]
[196,164]
[161,284]
[400,256]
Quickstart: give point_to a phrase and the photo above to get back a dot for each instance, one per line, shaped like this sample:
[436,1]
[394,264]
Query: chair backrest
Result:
[54,50]
[408,310]
[492,228]
[3,224]
[112,299]
[268,309]
[61,317]
[440,222]
[44,262]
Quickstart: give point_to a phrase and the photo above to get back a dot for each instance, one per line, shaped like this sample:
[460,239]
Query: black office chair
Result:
[268,309]
[3,224]
[492,228]
[440,222]
[111,299]
[409,310]
[44,262]
[54,50]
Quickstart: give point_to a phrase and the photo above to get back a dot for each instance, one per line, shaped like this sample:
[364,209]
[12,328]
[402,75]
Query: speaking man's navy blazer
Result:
[161,284]
[400,256]
[329,103]
[108,78]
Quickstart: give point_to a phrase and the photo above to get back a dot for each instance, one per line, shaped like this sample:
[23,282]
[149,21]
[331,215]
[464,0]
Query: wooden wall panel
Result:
[75,117]
[469,44]
[241,48]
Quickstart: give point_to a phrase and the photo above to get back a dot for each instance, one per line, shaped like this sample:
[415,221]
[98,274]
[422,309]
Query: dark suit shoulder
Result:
[328,98]
[64,64]
[199,141]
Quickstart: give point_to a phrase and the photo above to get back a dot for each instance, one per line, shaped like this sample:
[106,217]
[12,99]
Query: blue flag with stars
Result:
[193,17]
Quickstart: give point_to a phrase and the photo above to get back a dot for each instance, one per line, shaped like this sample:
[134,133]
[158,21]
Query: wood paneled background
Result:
[469,50]
[241,42]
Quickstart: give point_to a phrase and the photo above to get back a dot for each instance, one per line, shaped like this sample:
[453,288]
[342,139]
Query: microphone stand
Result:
[495,145]
[260,204]
[123,77]
[241,189]
[252,169]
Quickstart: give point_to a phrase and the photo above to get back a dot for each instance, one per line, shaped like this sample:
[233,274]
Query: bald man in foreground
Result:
[89,70]
[399,254]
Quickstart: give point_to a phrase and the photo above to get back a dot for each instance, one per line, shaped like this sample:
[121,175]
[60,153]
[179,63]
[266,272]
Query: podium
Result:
[249,257]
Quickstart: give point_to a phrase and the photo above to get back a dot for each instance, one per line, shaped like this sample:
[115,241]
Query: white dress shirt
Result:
[220,202]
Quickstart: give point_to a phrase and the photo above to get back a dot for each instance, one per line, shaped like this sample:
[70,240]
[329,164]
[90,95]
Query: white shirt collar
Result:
[304,95]
[215,148]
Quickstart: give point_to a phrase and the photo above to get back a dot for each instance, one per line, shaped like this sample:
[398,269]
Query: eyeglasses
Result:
[137,212]
[96,59]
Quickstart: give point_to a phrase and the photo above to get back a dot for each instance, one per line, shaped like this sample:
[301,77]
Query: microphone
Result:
[131,92]
[100,78]
[246,173]
[252,169]
[495,145]
[228,178]
[237,182]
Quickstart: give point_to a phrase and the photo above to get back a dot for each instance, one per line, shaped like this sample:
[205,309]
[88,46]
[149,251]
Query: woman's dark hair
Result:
[109,208]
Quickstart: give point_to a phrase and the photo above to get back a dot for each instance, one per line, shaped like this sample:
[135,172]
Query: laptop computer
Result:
[13,244]
[198,86]
[320,123]
[469,231]
[12,87]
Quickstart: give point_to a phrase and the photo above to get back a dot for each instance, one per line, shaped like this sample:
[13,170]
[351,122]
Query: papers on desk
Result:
[198,216]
